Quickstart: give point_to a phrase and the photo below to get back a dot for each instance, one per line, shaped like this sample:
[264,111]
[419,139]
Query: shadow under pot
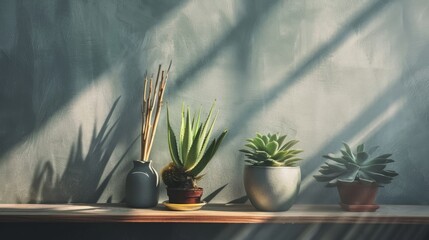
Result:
[272,188]
[358,196]
[184,195]
[142,186]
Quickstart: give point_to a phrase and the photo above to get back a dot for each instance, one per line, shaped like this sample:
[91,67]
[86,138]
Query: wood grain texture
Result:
[212,213]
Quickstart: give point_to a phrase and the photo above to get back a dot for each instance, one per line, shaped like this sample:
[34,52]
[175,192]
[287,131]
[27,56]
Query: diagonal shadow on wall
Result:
[255,11]
[58,50]
[82,179]
[305,66]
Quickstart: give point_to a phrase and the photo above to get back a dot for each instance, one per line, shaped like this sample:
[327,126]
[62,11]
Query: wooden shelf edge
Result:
[213,213]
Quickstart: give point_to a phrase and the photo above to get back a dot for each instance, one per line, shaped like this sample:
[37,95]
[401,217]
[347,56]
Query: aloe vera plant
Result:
[191,153]
[356,166]
[267,150]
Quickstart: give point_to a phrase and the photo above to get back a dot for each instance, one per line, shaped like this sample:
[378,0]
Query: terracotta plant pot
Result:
[184,195]
[358,197]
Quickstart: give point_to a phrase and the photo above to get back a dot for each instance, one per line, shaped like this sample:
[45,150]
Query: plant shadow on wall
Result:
[59,48]
[82,179]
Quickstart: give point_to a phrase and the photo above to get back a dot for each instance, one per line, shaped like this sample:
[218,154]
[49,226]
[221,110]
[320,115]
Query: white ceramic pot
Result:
[272,188]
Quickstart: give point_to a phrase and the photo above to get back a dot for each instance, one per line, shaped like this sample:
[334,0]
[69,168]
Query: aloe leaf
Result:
[172,143]
[193,155]
[206,138]
[203,162]
[182,129]
[187,138]
[196,122]
[208,155]
[205,128]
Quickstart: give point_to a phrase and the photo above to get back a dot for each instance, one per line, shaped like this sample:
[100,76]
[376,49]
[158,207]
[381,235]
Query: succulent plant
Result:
[356,166]
[192,152]
[267,150]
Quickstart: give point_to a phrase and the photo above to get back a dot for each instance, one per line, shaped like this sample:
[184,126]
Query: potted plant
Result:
[142,182]
[190,154]
[357,176]
[271,177]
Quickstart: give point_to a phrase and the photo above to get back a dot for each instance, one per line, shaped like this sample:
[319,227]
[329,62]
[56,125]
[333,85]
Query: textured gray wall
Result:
[321,71]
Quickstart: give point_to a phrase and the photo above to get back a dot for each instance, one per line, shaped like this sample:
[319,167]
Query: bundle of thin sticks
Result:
[152,100]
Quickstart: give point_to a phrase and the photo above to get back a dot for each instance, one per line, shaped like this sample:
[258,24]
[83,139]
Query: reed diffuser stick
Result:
[153,94]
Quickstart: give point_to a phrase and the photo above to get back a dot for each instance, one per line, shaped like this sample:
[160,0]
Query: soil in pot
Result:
[357,196]
[184,195]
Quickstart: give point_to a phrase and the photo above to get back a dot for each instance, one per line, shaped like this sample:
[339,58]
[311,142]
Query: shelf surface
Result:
[211,213]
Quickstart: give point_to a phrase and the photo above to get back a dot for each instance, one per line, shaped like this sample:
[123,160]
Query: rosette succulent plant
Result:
[356,166]
[269,150]
[191,153]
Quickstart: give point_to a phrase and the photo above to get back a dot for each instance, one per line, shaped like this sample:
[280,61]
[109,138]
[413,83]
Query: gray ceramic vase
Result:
[142,186]
[272,188]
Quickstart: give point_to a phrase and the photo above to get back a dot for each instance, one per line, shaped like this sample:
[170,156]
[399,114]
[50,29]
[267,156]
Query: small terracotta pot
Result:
[357,196]
[184,195]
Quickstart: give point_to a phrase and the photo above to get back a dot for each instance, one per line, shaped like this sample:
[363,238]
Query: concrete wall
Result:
[323,72]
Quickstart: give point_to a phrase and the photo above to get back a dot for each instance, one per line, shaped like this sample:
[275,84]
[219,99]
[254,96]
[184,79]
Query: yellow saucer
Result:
[184,207]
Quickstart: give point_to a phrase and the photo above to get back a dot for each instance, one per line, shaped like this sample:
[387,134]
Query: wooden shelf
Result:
[212,213]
